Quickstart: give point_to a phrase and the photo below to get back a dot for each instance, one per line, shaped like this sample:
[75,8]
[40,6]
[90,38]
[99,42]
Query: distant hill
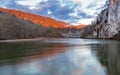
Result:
[42,20]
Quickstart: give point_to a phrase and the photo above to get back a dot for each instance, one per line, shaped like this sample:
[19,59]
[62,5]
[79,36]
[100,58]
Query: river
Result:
[60,57]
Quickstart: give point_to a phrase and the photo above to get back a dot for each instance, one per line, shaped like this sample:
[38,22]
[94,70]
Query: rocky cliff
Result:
[114,19]
[107,23]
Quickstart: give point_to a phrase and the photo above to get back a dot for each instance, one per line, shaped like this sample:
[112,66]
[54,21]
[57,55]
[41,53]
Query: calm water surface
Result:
[60,57]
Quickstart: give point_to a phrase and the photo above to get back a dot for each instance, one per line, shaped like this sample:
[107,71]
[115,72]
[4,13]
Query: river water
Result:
[60,57]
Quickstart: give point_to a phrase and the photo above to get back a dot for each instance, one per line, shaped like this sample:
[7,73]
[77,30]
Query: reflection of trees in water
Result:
[24,49]
[109,55]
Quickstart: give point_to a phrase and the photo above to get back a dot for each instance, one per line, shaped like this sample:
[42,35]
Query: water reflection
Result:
[109,55]
[49,58]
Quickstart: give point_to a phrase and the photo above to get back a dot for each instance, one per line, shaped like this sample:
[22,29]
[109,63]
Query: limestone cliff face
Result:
[114,18]
[107,24]
[101,25]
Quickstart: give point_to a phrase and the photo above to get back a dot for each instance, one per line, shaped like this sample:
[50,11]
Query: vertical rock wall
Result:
[107,23]
[114,17]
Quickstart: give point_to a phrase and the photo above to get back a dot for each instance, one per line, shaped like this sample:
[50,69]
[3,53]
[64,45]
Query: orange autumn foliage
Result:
[37,19]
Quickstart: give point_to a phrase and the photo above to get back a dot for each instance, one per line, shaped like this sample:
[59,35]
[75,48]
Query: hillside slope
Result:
[37,19]
[12,27]
[46,21]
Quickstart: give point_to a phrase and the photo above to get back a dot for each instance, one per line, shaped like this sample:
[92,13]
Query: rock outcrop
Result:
[114,18]
[107,23]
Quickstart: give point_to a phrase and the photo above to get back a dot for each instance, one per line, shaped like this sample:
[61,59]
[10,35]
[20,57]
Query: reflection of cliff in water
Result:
[109,55]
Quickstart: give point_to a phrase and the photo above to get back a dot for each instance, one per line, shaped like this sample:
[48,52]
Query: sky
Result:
[71,11]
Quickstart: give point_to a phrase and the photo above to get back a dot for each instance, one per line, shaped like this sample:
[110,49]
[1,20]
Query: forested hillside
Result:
[38,19]
[12,27]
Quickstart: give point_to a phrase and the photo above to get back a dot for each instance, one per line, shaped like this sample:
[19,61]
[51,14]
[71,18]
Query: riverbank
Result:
[43,38]
[23,40]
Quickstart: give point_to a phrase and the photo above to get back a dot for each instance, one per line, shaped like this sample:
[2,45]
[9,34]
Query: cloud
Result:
[85,21]
[49,12]
[30,3]
[73,11]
